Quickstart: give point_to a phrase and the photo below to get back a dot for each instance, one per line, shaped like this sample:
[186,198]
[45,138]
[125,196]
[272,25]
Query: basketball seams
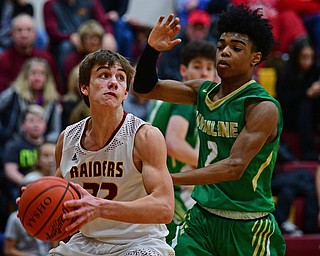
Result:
[56,207]
[50,221]
[72,191]
[37,196]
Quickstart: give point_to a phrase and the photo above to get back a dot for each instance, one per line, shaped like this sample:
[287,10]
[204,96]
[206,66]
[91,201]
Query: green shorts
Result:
[203,233]
[179,212]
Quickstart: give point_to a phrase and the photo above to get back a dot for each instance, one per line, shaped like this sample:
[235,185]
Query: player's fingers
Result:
[175,42]
[76,186]
[175,23]
[23,188]
[18,200]
[177,28]
[169,20]
[75,226]
[79,189]
[161,18]
[73,203]
[82,218]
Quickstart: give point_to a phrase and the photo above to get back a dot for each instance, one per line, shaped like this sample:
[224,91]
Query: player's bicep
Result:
[150,150]
[260,128]
[261,121]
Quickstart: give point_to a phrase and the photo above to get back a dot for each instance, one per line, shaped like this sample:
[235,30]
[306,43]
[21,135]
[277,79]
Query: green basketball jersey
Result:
[219,123]
[159,117]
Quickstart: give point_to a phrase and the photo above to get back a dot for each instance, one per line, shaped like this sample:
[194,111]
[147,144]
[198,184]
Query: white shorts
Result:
[79,245]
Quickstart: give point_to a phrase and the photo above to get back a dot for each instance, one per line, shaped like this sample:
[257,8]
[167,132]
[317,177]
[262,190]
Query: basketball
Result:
[41,208]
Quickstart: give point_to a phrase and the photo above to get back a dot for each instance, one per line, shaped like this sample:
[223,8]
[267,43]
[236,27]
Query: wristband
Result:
[146,76]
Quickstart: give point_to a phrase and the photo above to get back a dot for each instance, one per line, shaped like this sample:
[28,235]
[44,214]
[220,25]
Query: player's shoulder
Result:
[149,133]
[149,140]
[263,110]
[264,105]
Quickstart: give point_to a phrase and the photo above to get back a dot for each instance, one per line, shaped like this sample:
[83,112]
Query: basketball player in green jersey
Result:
[239,127]
[177,122]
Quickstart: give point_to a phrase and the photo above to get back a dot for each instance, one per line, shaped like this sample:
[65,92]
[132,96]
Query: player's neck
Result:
[100,131]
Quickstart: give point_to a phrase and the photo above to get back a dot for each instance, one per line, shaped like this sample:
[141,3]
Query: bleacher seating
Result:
[307,244]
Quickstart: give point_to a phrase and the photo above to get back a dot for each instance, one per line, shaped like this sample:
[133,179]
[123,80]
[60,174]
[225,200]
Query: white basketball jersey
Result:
[108,173]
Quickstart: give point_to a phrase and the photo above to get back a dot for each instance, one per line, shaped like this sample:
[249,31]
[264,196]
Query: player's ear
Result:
[126,95]
[183,69]
[256,58]
[84,89]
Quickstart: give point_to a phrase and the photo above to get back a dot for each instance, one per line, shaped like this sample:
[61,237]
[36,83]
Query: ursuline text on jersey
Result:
[217,128]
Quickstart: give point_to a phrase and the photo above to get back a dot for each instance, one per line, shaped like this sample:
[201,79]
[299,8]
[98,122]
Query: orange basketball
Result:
[41,208]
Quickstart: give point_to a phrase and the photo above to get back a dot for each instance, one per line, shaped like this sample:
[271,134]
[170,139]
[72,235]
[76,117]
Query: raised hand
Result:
[162,36]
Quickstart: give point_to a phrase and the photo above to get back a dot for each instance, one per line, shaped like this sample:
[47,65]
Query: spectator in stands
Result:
[34,85]
[287,186]
[62,19]
[8,10]
[197,28]
[214,8]
[20,154]
[91,35]
[23,34]
[17,241]
[309,11]
[287,24]
[183,8]
[45,165]
[141,34]
[298,91]
[74,108]
[124,33]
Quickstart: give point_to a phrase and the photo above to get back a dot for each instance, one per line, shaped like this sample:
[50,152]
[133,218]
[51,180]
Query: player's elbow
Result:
[168,213]
[171,148]
[236,169]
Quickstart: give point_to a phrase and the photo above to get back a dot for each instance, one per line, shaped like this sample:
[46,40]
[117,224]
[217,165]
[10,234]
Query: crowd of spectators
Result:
[40,66]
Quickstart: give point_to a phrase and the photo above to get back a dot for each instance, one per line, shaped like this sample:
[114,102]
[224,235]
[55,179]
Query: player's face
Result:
[198,68]
[235,56]
[108,85]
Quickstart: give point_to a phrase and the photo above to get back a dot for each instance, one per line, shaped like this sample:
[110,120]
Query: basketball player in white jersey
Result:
[117,162]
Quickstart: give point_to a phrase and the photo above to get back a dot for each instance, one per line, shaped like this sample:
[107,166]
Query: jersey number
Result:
[212,146]
[94,188]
